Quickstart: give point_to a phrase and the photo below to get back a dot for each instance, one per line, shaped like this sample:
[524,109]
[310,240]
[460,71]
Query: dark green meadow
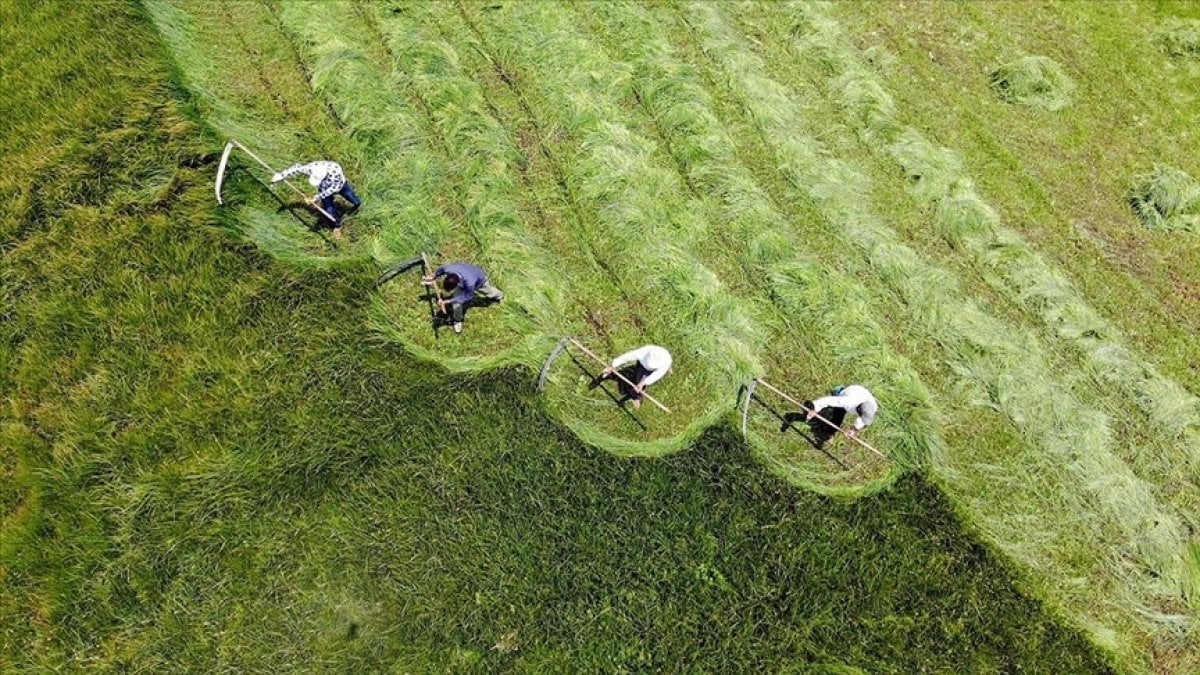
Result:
[209,462]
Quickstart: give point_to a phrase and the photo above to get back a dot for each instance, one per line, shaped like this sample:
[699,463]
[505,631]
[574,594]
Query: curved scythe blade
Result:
[558,348]
[746,404]
[221,170]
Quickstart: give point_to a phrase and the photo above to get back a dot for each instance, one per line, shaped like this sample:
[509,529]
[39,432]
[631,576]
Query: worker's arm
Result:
[827,401]
[654,376]
[627,358]
[289,172]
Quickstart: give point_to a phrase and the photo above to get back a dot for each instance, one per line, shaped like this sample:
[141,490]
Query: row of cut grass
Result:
[821,328]
[1062,180]
[1106,501]
[936,178]
[638,222]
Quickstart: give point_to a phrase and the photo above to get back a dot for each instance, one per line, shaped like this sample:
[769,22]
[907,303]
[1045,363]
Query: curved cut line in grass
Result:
[1011,373]
[621,185]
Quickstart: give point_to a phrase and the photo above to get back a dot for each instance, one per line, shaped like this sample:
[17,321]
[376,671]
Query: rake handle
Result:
[805,409]
[624,379]
[434,287]
[297,190]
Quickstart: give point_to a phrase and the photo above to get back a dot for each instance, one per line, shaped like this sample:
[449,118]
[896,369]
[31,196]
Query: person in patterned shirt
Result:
[329,180]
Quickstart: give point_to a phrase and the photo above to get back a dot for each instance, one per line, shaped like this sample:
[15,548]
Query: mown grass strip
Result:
[641,225]
[801,301]
[1107,503]
[937,178]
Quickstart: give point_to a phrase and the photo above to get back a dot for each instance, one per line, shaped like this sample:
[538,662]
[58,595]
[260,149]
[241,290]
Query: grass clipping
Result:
[1034,81]
[1180,38]
[1167,199]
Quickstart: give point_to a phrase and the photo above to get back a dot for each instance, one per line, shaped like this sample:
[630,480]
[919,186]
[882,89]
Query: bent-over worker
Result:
[653,363]
[329,180]
[833,408]
[464,282]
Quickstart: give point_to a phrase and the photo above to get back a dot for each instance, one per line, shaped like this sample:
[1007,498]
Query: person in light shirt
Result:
[853,398]
[330,180]
[652,363]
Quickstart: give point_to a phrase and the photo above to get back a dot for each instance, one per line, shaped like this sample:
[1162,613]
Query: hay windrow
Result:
[1035,82]
[801,300]
[1167,199]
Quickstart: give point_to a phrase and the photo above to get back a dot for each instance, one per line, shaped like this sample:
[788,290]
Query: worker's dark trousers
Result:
[821,432]
[330,206]
[635,375]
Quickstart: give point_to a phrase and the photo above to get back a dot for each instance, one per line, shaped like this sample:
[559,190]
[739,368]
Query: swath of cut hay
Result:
[1033,81]
[1167,199]
[639,220]
[803,302]
[617,314]
[1007,366]
[487,157]
[936,175]
[484,179]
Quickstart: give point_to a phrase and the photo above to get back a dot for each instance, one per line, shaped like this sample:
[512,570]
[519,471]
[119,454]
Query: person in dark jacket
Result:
[464,282]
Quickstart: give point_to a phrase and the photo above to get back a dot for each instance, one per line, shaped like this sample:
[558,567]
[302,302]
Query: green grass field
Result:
[223,449]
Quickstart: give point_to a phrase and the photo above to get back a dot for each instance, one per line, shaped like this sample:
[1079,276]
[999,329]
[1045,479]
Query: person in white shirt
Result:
[329,180]
[652,363]
[853,398]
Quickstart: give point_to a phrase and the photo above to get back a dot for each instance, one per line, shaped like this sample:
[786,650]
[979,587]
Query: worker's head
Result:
[837,391]
[450,281]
